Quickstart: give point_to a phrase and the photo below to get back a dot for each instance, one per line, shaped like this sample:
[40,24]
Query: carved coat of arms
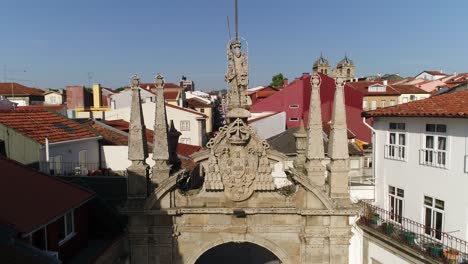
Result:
[238,163]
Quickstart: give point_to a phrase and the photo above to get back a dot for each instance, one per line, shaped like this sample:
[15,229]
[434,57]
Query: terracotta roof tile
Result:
[435,72]
[363,87]
[445,105]
[408,89]
[18,89]
[30,199]
[37,124]
[196,103]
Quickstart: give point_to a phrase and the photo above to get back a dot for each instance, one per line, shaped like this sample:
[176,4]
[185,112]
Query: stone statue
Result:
[237,76]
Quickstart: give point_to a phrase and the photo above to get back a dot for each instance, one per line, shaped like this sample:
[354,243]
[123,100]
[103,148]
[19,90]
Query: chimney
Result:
[96,95]
[285,82]
[305,74]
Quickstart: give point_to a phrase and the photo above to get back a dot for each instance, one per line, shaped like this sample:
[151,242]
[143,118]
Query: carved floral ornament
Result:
[238,162]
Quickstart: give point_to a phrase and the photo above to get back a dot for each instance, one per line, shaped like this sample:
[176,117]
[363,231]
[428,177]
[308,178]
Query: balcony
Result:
[75,169]
[396,152]
[433,158]
[425,240]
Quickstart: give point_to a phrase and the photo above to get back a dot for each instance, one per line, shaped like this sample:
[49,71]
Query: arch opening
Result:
[238,252]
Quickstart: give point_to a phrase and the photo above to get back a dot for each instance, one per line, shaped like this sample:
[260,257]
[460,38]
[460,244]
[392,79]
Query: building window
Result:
[373,104]
[66,227]
[367,162]
[364,104]
[294,106]
[405,99]
[202,110]
[435,146]
[55,165]
[82,158]
[395,203]
[392,102]
[293,119]
[185,140]
[382,103]
[433,216]
[396,147]
[348,73]
[184,125]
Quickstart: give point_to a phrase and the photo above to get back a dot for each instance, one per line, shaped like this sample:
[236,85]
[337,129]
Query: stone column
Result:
[338,147]
[161,167]
[173,142]
[315,150]
[137,148]
[301,143]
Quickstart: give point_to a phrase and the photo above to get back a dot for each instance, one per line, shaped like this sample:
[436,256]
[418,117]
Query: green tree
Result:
[121,88]
[277,80]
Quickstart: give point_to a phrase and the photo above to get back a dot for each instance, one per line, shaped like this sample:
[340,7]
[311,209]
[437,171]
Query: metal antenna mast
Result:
[237,23]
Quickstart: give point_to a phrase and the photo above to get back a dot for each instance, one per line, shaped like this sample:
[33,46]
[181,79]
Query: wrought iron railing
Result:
[75,169]
[429,241]
[396,152]
[434,158]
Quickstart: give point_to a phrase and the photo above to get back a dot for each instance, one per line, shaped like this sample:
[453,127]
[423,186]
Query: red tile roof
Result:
[30,199]
[197,103]
[408,89]
[55,108]
[186,150]
[187,110]
[445,105]
[153,85]
[171,95]
[435,72]
[18,89]
[363,87]
[37,124]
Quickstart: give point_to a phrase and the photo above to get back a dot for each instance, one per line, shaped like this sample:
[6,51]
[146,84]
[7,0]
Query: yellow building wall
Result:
[381,101]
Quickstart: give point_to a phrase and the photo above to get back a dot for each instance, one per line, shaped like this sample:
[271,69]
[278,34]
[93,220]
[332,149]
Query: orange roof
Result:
[153,85]
[445,105]
[435,72]
[197,103]
[18,89]
[171,95]
[409,89]
[40,107]
[363,87]
[186,150]
[37,124]
[263,94]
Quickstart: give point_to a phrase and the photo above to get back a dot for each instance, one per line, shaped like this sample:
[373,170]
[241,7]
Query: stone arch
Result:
[272,247]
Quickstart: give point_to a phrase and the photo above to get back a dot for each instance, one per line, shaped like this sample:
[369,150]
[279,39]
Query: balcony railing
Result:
[434,158]
[442,246]
[75,169]
[396,152]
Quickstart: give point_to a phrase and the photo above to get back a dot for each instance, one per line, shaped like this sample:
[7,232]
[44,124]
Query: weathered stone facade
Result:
[306,222]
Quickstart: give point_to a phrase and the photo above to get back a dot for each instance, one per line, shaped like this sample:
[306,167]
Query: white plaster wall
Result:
[172,113]
[270,126]
[124,98]
[116,157]
[69,151]
[355,244]
[447,184]
[416,96]
[48,99]
[430,77]
[376,252]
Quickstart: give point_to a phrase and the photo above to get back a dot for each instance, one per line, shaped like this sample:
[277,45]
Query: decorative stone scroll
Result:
[238,163]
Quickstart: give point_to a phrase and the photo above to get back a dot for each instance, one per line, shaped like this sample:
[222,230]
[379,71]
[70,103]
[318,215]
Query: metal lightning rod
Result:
[237,23]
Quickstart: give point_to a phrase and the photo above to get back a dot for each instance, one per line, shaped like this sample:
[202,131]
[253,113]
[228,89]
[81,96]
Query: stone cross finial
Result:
[338,148]
[137,147]
[135,81]
[315,150]
[160,143]
[159,81]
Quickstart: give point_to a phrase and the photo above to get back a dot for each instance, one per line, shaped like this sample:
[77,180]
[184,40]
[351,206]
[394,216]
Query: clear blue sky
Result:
[59,42]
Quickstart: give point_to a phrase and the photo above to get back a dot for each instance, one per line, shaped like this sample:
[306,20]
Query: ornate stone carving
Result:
[238,163]
[237,76]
